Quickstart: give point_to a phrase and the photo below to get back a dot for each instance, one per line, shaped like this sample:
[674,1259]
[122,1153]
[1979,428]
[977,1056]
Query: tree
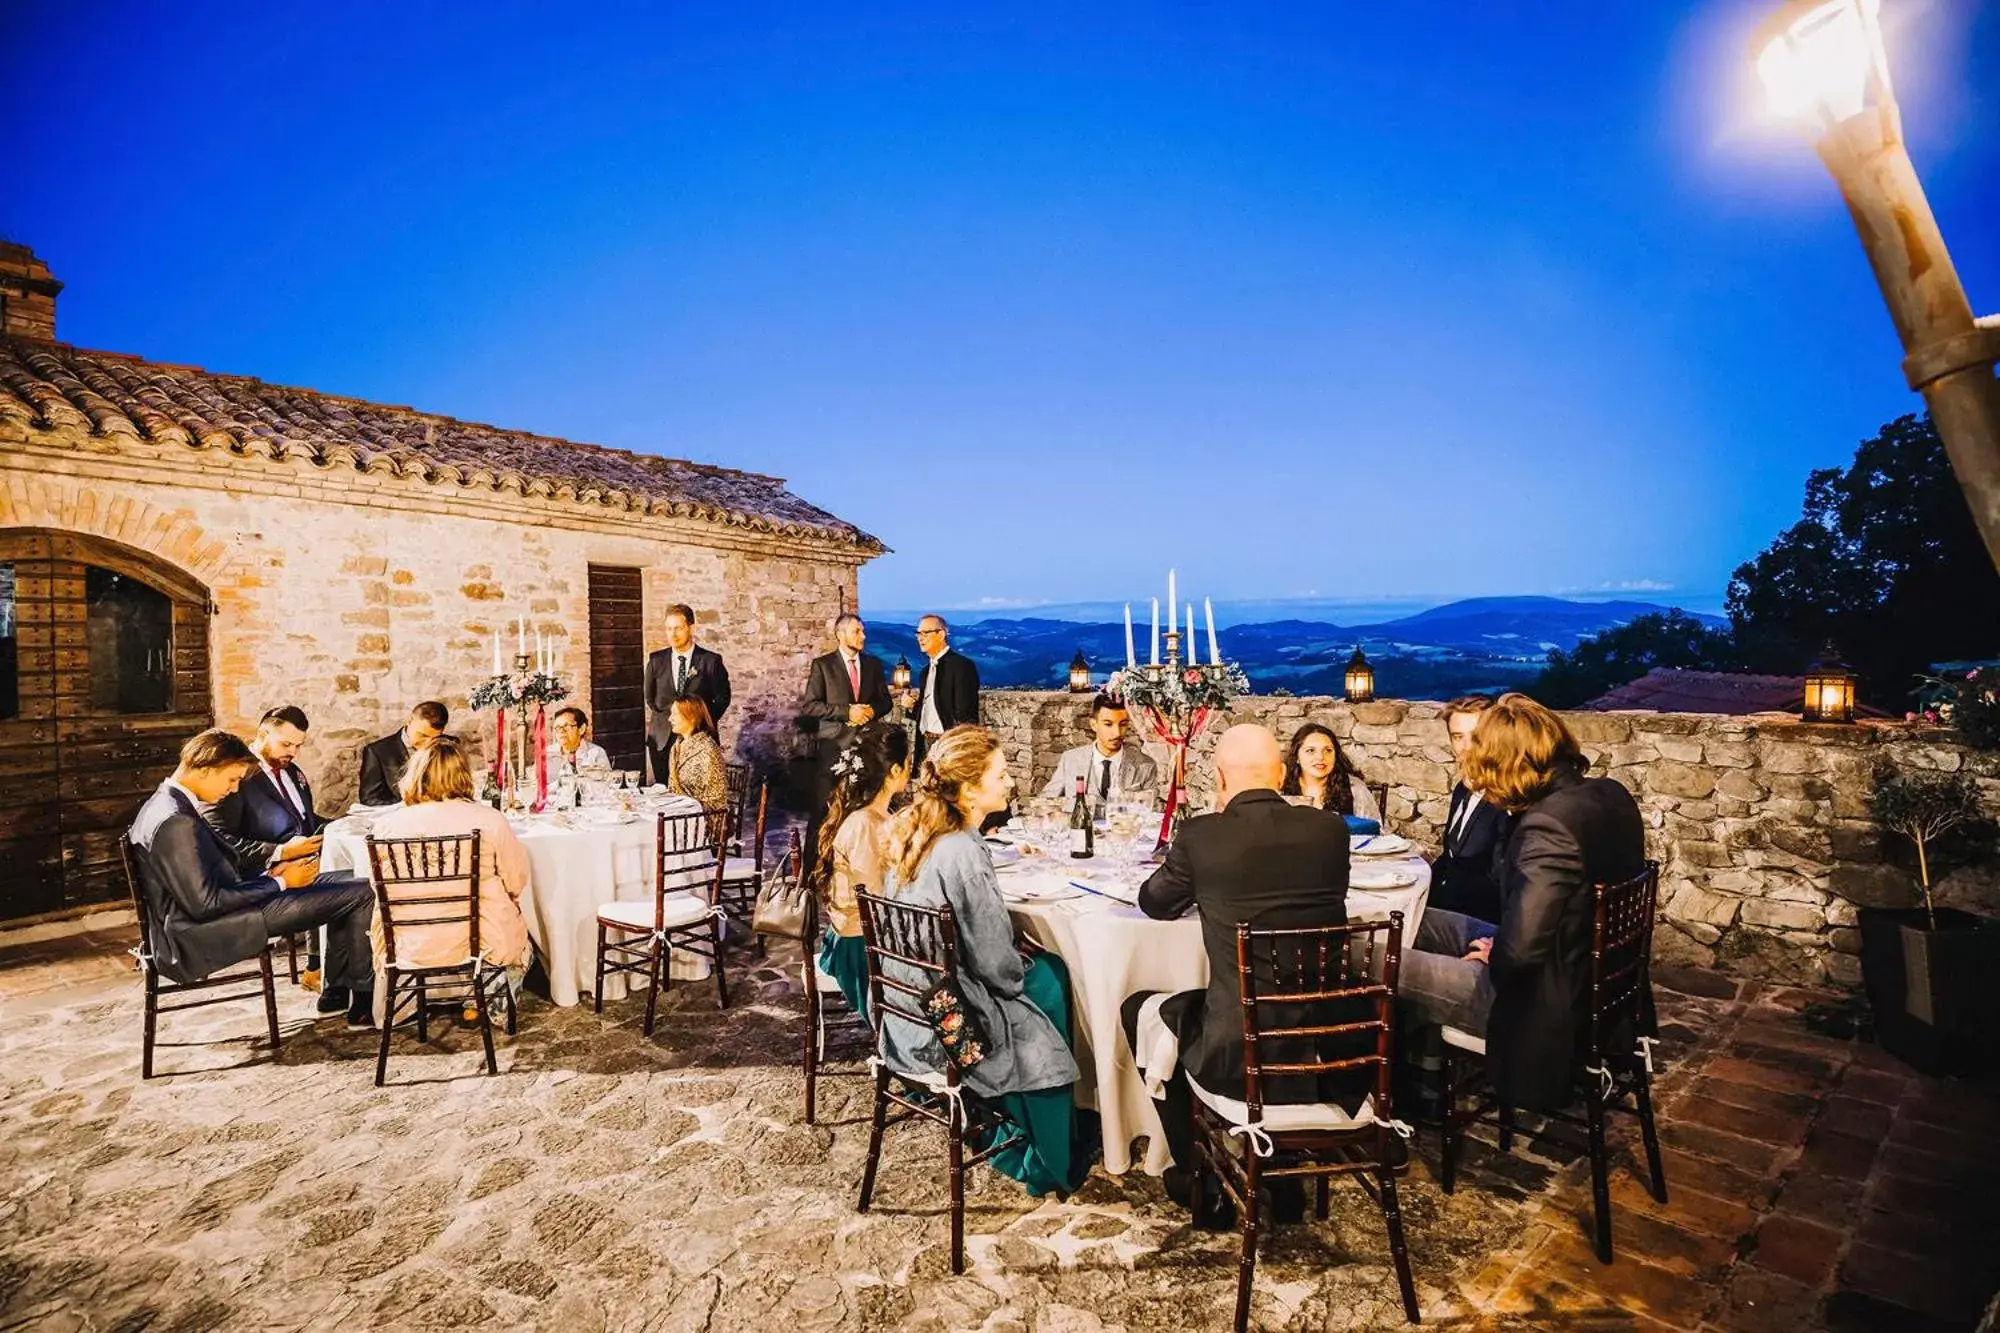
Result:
[1885,563]
[1924,807]
[1610,659]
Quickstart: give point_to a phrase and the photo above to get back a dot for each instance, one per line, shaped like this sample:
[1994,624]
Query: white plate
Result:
[1379,844]
[1381,877]
[1028,892]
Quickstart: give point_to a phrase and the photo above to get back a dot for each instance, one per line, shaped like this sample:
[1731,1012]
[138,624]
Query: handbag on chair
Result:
[781,902]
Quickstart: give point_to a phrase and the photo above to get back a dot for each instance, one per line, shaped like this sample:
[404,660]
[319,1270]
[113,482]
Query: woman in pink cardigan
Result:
[437,802]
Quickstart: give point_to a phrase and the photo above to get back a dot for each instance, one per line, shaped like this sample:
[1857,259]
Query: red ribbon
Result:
[541,743]
[500,748]
[1177,785]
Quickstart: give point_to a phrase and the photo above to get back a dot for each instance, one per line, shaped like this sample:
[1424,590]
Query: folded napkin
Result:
[1357,826]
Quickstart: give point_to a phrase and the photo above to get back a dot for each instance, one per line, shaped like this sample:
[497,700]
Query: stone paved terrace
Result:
[603,1182]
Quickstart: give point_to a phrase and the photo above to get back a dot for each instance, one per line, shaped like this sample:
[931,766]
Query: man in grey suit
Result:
[845,689]
[1111,769]
[208,915]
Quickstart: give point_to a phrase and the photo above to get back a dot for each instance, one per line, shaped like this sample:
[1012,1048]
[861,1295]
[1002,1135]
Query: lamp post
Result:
[1823,63]
[1829,693]
[1079,674]
[1360,680]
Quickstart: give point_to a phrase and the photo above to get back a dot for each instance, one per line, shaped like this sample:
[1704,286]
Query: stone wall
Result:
[1760,824]
[355,595]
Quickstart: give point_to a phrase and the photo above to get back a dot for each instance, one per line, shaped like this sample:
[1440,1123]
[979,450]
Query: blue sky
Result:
[1356,301]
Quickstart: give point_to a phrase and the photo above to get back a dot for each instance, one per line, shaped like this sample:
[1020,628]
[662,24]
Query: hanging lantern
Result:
[1829,689]
[899,679]
[1360,679]
[1079,674]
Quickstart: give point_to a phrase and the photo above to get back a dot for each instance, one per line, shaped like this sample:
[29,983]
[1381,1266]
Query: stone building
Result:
[180,548]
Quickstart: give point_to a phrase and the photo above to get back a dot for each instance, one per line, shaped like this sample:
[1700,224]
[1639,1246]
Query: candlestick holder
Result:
[1177,699]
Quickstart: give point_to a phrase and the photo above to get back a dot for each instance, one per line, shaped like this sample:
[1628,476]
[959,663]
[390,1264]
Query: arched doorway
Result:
[103,675]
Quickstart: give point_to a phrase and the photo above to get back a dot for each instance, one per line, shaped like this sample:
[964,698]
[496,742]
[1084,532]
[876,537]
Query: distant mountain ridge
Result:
[1490,642]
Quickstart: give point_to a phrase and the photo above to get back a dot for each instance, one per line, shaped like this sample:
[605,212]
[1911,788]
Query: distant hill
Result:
[1478,643]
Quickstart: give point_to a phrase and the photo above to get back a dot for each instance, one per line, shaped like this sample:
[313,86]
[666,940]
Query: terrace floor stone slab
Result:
[606,1182]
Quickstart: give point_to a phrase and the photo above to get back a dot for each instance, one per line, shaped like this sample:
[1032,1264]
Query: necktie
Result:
[854,677]
[1457,830]
[681,675]
[1103,778]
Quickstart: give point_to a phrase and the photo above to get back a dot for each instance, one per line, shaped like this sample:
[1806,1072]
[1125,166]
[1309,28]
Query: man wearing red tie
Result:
[845,689]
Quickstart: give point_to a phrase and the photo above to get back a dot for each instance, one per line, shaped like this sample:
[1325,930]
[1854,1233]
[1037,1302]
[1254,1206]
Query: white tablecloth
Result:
[1113,950]
[570,871]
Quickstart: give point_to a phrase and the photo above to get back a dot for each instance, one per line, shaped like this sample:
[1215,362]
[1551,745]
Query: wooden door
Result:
[109,676]
[618,664]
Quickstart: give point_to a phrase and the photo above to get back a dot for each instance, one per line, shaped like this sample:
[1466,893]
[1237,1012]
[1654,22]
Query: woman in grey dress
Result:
[936,858]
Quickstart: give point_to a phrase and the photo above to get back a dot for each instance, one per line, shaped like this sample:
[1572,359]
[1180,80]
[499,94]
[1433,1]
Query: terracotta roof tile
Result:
[46,386]
[1674,690]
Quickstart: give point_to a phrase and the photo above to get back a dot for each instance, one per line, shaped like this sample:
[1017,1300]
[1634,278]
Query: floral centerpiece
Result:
[1177,697]
[531,685]
[518,691]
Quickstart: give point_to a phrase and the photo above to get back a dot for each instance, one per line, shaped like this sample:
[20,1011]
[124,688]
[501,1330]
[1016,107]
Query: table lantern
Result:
[1360,679]
[899,678]
[1079,674]
[1829,693]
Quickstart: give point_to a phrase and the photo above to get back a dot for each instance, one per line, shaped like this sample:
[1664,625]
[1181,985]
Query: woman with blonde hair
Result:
[1524,982]
[936,858]
[438,802]
[870,773]
[695,766]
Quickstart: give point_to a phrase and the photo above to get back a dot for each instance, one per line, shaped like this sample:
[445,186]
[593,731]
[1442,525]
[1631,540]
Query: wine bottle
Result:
[1082,837]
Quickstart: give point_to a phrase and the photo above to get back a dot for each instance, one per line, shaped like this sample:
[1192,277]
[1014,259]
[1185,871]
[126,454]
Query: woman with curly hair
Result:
[1317,771]
[868,776]
[936,858]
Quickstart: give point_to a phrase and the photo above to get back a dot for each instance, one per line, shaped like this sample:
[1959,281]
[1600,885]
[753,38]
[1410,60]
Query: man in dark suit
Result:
[845,689]
[1523,983]
[207,914]
[682,669]
[270,816]
[1259,860]
[383,761]
[947,690]
[1465,877]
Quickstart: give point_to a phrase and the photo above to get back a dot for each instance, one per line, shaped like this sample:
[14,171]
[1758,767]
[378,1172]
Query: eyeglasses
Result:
[928,633]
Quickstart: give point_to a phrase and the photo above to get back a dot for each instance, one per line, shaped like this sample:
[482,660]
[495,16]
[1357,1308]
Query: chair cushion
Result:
[1464,1040]
[1280,1117]
[740,868]
[682,909]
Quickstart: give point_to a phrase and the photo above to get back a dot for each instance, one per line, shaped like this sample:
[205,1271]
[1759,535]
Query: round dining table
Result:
[1083,912]
[577,859]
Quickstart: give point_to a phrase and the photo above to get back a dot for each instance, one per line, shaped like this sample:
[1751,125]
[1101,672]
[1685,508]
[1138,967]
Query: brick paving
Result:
[603,1182]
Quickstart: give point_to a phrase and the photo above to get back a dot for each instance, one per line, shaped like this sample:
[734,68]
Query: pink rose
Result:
[1192,676]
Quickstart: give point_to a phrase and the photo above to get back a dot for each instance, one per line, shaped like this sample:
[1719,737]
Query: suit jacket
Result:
[382,765]
[1271,864]
[256,818]
[707,680]
[1466,876]
[1133,774]
[957,691]
[1584,833]
[203,914]
[823,710]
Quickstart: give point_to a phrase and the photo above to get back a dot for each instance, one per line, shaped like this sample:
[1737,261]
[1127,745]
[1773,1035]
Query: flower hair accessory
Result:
[849,764]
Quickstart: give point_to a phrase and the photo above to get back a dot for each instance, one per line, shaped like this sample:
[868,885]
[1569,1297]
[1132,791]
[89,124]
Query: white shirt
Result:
[203,807]
[589,754]
[1102,767]
[929,722]
[281,778]
[683,666]
[1457,829]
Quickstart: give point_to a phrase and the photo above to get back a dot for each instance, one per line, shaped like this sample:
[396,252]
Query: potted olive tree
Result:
[1929,971]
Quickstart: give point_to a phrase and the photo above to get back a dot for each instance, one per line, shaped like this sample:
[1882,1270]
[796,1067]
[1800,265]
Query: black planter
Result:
[1934,991]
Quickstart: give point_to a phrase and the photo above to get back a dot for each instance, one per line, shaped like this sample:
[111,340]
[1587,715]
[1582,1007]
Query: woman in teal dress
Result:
[1020,1001]
[870,773]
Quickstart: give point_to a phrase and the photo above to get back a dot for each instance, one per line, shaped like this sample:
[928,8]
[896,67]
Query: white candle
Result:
[1155,659]
[1194,654]
[1131,659]
[1214,654]
[555,659]
[1173,602]
[496,652]
[520,636]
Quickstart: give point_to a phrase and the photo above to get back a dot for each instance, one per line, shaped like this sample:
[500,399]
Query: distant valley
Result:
[1481,643]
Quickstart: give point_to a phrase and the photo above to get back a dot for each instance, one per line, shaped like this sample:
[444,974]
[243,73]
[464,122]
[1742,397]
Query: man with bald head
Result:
[1257,859]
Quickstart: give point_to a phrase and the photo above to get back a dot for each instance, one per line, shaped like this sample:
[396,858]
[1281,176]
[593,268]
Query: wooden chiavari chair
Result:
[638,935]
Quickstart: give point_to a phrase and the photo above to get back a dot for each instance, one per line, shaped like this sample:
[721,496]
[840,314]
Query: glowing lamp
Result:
[899,678]
[1822,61]
[1360,679]
[1079,674]
[1829,690]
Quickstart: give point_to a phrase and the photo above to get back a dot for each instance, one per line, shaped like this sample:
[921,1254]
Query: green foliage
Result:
[1925,807]
[1608,660]
[1885,563]
[1968,701]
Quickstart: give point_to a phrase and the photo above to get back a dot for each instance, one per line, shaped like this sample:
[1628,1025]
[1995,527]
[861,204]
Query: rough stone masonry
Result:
[1760,824]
